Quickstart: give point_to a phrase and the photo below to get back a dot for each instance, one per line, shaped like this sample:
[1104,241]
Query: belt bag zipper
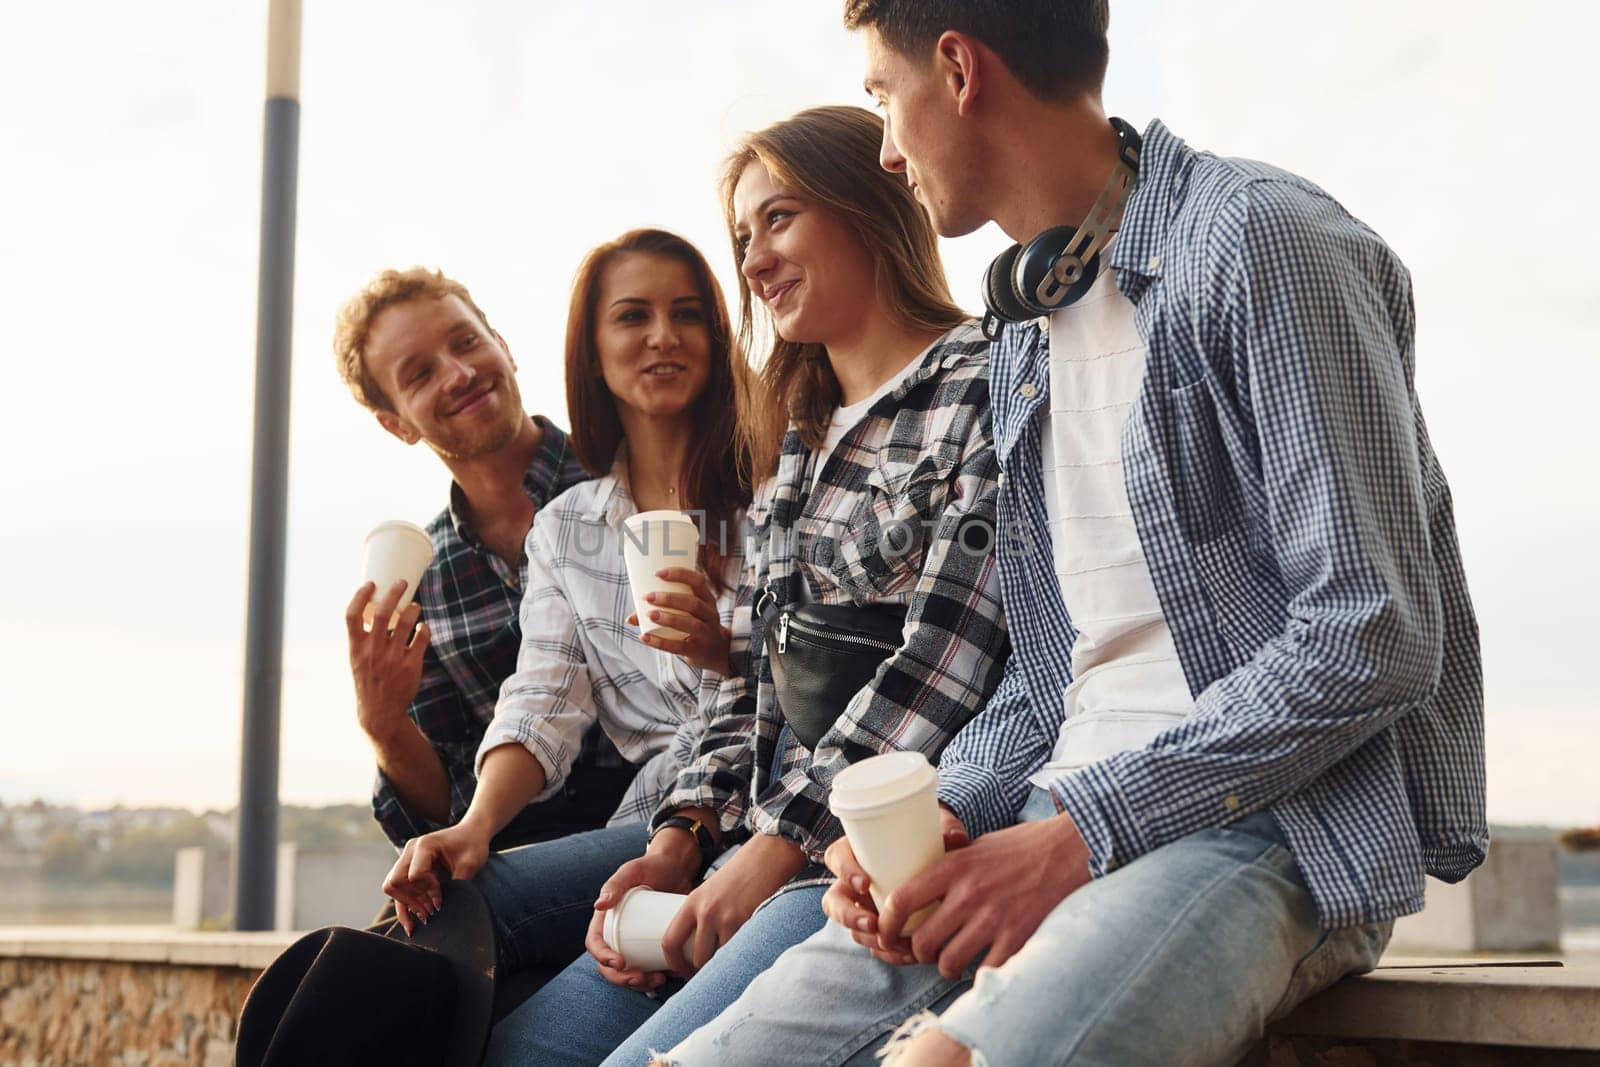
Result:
[819,639]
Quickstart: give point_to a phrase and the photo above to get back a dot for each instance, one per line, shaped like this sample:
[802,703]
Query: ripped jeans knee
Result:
[907,1032]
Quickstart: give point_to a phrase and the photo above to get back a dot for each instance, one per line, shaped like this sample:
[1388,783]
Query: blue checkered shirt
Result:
[1299,533]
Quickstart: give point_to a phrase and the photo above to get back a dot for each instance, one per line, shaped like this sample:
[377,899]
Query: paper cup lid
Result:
[880,780]
[399,524]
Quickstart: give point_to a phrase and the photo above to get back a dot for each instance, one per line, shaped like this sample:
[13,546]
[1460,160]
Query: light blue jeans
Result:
[580,1018]
[1180,957]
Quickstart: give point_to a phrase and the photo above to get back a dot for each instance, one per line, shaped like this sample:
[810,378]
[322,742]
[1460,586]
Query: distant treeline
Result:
[142,851]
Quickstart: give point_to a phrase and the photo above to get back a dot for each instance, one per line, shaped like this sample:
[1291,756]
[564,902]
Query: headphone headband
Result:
[1059,265]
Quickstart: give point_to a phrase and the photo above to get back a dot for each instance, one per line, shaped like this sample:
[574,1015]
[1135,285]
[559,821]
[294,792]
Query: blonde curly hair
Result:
[355,323]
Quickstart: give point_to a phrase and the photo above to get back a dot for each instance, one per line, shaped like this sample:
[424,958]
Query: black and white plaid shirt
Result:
[470,598]
[891,519]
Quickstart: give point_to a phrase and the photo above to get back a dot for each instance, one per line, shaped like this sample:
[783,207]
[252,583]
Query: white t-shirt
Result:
[1128,684]
[845,417]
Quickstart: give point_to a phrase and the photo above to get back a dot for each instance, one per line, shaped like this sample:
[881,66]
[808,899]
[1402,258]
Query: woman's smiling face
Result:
[651,335]
[801,260]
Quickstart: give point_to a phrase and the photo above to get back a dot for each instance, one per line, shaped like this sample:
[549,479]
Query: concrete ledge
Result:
[1521,1004]
[1490,1004]
[144,944]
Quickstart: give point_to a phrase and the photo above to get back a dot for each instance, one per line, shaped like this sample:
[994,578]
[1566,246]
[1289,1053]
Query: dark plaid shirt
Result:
[902,513]
[470,598]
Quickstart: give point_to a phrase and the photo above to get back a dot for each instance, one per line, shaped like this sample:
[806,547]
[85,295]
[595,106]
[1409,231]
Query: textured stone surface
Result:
[65,1013]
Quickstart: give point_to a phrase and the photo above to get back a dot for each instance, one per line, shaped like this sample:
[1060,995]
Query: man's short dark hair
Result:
[1054,47]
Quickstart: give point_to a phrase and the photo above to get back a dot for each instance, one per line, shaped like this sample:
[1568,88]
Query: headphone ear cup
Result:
[1035,262]
[999,294]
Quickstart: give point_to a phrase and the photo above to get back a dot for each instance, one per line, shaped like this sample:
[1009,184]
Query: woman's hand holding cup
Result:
[669,866]
[706,641]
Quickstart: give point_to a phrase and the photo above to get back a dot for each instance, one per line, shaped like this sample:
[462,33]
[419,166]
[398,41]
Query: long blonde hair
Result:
[829,156]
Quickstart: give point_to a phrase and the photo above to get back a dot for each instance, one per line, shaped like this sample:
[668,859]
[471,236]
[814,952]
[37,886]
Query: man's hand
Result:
[457,852]
[706,641]
[387,666]
[669,867]
[994,893]
[849,902]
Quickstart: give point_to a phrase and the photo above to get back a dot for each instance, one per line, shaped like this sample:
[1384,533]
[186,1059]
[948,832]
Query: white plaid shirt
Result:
[582,663]
[902,513]
[1299,533]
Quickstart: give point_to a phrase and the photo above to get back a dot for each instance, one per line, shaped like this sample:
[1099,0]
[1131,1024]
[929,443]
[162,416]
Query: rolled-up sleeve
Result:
[547,704]
[719,774]
[444,720]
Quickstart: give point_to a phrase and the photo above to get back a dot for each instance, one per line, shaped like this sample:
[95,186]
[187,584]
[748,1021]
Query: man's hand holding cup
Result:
[385,664]
[386,659]
[894,830]
[849,902]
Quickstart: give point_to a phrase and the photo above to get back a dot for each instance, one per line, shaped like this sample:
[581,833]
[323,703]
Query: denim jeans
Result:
[580,1018]
[542,895]
[1180,957]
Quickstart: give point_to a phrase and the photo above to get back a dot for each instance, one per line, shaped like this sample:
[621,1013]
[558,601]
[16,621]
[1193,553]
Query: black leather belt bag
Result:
[822,656]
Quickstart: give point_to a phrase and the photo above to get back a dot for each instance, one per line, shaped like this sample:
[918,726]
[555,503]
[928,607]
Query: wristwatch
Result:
[698,830]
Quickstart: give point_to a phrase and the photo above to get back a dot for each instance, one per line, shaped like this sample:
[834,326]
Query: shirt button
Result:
[1155,264]
[1230,802]
[1028,390]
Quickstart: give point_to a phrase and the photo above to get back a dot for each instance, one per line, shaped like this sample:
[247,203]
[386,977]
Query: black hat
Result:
[341,995]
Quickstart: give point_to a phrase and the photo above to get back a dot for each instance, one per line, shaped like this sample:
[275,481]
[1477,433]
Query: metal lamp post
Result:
[255,851]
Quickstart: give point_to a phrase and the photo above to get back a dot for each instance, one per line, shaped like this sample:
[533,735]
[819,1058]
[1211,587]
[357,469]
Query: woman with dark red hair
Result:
[652,369]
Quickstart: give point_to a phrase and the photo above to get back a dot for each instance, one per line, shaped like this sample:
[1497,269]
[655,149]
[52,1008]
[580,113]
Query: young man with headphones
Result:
[1243,713]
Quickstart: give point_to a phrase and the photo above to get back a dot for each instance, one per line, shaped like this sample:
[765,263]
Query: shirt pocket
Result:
[882,551]
[1205,486]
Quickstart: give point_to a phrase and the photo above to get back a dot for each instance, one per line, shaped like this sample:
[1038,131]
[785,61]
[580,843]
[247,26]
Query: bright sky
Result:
[500,140]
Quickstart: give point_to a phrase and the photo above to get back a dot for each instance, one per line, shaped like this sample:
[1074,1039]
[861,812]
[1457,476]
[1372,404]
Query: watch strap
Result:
[698,830]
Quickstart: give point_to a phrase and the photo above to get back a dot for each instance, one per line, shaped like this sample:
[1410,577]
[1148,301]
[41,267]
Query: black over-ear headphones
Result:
[1058,266]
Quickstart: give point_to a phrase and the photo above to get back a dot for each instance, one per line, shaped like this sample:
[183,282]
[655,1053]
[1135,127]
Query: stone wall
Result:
[94,1013]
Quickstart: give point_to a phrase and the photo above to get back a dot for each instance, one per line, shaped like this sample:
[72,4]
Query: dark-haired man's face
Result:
[924,136]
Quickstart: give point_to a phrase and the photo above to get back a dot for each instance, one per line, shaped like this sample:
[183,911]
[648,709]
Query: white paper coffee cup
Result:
[396,551]
[890,810]
[634,927]
[652,540]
